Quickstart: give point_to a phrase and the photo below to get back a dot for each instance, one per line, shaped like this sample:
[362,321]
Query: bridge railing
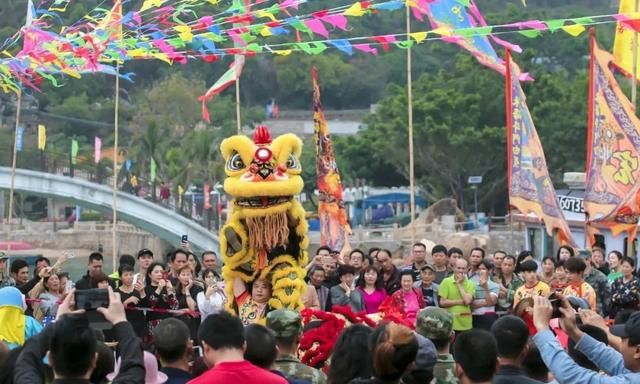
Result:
[84,167]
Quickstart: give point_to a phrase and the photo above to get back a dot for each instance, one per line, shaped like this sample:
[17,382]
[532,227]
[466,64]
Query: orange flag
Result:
[530,188]
[613,152]
[334,226]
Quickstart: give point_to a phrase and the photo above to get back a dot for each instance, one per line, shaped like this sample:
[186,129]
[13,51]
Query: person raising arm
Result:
[621,367]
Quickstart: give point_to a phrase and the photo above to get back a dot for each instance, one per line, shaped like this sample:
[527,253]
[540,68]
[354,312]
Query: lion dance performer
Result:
[264,241]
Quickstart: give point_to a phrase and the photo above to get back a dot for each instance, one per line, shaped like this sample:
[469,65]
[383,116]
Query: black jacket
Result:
[131,371]
[85,282]
[508,374]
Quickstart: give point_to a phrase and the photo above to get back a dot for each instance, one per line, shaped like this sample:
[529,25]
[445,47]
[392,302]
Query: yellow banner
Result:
[42,137]
[623,45]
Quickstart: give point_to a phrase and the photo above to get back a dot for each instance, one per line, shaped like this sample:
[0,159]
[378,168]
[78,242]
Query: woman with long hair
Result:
[564,252]
[49,296]
[394,349]
[160,294]
[351,358]
[371,288]
[615,266]
[212,299]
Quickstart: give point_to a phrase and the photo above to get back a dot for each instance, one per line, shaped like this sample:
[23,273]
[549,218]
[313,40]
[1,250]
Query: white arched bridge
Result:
[153,218]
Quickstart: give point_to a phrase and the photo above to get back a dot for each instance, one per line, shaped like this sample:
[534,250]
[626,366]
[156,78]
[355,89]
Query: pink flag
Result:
[97,150]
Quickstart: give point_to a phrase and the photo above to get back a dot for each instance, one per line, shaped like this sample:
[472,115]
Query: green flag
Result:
[74,152]
[153,170]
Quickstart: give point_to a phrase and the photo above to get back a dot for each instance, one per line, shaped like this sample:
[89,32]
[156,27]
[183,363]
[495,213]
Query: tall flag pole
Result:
[634,78]
[116,17]
[613,153]
[236,63]
[412,190]
[530,188]
[334,226]
[28,22]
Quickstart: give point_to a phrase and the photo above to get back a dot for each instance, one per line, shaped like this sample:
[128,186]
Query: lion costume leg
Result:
[287,281]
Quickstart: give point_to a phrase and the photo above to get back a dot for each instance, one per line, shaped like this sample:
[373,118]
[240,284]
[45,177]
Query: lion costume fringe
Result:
[266,232]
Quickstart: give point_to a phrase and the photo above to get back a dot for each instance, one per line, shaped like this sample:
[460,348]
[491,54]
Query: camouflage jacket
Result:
[505,304]
[599,282]
[444,371]
[6,281]
[292,367]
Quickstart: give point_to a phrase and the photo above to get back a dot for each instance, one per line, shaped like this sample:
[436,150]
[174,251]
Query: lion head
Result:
[262,172]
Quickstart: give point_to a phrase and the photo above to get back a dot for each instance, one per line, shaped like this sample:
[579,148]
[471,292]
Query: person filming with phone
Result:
[73,359]
[160,294]
[621,367]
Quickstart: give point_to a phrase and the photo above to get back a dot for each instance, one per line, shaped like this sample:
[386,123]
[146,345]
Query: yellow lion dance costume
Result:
[266,232]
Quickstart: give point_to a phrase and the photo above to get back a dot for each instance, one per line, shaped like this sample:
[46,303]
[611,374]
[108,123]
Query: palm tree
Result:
[146,145]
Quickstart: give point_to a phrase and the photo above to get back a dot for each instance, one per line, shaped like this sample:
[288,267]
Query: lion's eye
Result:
[235,163]
[293,163]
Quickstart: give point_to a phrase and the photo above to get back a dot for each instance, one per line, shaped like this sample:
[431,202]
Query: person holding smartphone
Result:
[160,295]
[212,299]
[186,293]
[132,296]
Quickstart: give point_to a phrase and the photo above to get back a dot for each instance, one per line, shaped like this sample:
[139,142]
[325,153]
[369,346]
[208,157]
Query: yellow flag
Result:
[355,10]
[418,36]
[623,46]
[42,137]
[574,30]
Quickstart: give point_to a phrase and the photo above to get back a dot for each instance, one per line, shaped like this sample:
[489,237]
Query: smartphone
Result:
[196,353]
[556,304]
[185,239]
[165,275]
[92,299]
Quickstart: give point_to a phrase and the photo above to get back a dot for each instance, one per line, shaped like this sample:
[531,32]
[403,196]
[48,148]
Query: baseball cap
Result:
[629,330]
[428,266]
[3,256]
[144,251]
[434,323]
[284,322]
[427,354]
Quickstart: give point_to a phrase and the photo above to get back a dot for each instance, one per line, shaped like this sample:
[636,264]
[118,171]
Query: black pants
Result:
[484,321]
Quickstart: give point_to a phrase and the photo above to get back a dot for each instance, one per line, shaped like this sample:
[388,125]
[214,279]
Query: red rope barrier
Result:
[177,312]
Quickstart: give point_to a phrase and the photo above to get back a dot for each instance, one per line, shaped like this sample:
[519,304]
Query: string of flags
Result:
[179,31]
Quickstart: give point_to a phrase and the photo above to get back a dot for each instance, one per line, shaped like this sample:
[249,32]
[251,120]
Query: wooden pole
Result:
[634,100]
[412,193]
[238,122]
[115,171]
[13,170]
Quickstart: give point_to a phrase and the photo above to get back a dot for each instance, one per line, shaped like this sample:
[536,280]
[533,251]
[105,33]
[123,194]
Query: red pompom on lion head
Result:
[262,136]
